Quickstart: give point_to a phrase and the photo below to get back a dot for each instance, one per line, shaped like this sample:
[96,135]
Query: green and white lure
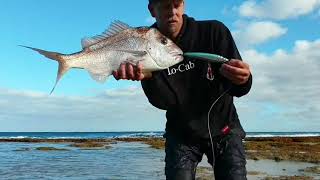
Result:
[214,58]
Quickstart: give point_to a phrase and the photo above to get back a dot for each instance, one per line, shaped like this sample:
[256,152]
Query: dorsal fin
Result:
[115,28]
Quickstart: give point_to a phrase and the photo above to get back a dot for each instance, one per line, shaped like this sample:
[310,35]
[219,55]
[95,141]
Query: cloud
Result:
[279,10]
[112,110]
[257,32]
[285,92]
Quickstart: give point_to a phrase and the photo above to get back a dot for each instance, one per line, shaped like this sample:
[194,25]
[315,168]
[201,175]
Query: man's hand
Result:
[131,72]
[237,71]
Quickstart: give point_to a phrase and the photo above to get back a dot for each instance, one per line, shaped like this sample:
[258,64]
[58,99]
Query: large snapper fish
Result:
[102,54]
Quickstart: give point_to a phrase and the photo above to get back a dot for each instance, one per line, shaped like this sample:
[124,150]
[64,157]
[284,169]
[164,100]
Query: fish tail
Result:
[63,66]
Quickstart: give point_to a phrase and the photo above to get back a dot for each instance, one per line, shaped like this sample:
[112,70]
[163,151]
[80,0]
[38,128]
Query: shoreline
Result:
[300,149]
[267,157]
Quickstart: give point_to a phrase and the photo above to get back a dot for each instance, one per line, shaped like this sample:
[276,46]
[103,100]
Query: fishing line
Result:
[209,129]
[212,58]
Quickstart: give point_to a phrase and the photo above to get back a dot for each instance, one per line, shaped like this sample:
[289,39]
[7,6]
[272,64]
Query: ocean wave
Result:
[284,135]
[14,137]
[155,134]
[88,135]
[140,135]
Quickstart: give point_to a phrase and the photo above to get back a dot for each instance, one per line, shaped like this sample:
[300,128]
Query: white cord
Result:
[209,129]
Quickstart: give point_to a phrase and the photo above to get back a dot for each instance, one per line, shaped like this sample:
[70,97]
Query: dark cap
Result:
[153,1]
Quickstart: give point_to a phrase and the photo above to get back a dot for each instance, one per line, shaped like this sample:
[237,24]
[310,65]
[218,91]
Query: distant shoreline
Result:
[303,149]
[131,134]
[130,139]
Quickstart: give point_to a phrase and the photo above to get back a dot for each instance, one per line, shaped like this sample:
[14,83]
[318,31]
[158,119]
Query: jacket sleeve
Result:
[158,91]
[224,45]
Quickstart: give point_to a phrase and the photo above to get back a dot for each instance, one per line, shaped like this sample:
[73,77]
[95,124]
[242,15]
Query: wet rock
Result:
[289,178]
[157,143]
[23,149]
[50,149]
[254,173]
[255,158]
[305,149]
[88,145]
[97,148]
[204,173]
[314,169]
[278,159]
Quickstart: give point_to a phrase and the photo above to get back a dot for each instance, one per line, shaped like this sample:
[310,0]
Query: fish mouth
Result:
[178,57]
[177,53]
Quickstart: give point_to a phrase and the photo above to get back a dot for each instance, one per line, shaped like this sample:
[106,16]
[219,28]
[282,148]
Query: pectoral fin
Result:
[101,78]
[99,75]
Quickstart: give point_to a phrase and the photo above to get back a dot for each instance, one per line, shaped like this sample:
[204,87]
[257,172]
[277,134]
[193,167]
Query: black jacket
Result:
[186,92]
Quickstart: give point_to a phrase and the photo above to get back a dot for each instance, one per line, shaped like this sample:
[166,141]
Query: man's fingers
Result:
[139,67]
[115,75]
[138,72]
[228,75]
[140,76]
[236,79]
[238,63]
[130,73]
[234,70]
[122,71]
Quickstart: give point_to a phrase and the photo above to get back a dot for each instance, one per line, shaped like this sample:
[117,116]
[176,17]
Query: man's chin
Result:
[172,24]
[172,28]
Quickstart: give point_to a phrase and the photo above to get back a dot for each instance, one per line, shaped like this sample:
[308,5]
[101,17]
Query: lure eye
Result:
[164,41]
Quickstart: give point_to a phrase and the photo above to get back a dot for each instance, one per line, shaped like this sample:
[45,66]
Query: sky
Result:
[280,40]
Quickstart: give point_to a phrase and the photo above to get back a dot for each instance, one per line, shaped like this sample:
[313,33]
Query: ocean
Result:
[124,160]
[94,135]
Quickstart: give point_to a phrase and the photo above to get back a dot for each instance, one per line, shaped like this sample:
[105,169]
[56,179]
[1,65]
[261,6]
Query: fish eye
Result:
[164,41]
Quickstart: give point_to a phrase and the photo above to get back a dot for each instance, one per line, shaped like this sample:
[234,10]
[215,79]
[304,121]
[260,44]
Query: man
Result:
[198,96]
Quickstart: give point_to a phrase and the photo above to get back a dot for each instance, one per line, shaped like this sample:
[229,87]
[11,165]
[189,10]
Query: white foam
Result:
[285,135]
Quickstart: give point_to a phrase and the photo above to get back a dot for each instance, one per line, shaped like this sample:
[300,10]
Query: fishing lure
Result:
[214,58]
